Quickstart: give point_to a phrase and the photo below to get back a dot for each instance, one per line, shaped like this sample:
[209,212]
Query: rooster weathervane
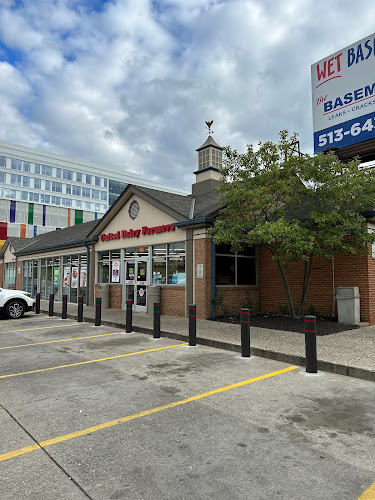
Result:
[209,124]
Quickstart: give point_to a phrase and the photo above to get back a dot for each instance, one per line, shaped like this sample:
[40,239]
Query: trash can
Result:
[104,295]
[348,305]
[153,297]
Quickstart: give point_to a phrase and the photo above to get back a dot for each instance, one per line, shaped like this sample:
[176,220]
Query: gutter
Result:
[190,222]
[60,245]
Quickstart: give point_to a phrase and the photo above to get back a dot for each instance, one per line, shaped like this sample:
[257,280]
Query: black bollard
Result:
[37,303]
[98,311]
[310,344]
[51,301]
[80,309]
[64,313]
[245,333]
[129,316]
[157,320]
[192,324]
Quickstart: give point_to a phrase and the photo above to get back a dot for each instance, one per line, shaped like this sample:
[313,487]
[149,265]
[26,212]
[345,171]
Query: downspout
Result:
[213,279]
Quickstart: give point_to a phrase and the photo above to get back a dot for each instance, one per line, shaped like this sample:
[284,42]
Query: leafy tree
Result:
[297,206]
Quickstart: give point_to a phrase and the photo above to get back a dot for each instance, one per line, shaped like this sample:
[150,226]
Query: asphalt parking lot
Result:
[93,412]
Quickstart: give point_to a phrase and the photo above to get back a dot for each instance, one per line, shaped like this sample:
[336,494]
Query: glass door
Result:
[136,284]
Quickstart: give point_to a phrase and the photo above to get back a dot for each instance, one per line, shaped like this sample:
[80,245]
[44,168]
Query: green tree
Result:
[297,206]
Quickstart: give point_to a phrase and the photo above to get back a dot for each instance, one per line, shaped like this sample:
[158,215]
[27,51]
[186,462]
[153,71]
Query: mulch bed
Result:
[324,326]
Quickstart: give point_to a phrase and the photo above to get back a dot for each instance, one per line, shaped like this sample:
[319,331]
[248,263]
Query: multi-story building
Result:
[41,191]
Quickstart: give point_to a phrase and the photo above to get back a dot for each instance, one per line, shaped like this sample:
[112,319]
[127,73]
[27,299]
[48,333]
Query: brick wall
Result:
[172,300]
[349,270]
[236,297]
[202,286]
[18,276]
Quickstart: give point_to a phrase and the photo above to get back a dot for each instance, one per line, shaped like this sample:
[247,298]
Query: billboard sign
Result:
[343,96]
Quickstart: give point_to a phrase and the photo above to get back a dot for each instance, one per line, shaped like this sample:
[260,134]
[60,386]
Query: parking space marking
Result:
[90,361]
[61,340]
[128,418]
[46,327]
[368,494]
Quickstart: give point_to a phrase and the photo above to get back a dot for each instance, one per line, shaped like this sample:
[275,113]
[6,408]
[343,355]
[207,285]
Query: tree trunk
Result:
[306,279]
[285,283]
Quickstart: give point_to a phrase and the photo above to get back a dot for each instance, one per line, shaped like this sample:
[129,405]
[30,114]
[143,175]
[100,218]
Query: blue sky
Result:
[130,83]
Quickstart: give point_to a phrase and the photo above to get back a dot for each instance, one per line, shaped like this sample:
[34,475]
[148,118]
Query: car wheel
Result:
[15,309]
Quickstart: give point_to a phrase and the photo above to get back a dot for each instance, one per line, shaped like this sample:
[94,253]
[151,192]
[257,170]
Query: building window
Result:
[88,205]
[3,161]
[98,181]
[95,194]
[47,185]
[58,173]
[26,166]
[56,200]
[235,268]
[67,202]
[15,179]
[37,183]
[37,168]
[88,179]
[86,192]
[68,189]
[16,164]
[10,274]
[26,181]
[45,198]
[24,195]
[78,177]
[105,183]
[67,175]
[103,195]
[10,193]
[77,190]
[47,170]
[168,264]
[78,203]
[103,267]
[2,177]
[56,187]
[34,197]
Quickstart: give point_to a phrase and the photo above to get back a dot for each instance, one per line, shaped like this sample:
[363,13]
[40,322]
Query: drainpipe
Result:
[213,279]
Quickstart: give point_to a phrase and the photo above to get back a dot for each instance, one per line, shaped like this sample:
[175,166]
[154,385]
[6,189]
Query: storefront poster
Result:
[74,277]
[83,277]
[56,276]
[115,271]
[66,276]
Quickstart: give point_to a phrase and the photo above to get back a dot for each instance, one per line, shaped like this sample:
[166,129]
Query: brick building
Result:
[156,243]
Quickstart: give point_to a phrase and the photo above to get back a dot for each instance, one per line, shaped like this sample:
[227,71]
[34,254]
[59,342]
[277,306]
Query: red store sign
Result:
[135,233]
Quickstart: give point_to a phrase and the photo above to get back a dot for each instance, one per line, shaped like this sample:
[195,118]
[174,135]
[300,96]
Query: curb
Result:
[294,359]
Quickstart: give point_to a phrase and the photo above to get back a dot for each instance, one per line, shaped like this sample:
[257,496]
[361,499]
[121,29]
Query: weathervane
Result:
[210,132]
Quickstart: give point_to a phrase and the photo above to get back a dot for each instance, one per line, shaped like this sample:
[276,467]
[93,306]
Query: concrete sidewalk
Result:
[350,353]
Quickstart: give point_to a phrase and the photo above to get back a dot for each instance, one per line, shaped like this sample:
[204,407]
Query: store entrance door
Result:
[136,284]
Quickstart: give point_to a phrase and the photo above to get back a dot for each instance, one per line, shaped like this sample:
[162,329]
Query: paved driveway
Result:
[92,412]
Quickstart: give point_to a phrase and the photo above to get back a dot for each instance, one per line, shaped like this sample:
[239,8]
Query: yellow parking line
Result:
[47,327]
[62,340]
[368,494]
[95,428]
[90,361]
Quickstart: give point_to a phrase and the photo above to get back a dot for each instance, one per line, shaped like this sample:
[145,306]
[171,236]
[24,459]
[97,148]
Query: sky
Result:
[130,83]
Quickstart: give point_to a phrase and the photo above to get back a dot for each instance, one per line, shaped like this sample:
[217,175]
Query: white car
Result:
[14,303]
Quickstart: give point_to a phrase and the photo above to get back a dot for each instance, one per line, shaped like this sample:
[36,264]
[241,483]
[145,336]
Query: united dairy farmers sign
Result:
[343,96]
[136,233]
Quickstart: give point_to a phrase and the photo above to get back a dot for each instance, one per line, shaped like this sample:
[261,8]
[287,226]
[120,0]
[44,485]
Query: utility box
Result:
[153,297]
[348,305]
[104,295]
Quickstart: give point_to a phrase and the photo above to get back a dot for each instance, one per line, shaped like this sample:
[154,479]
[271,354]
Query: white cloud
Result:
[129,83]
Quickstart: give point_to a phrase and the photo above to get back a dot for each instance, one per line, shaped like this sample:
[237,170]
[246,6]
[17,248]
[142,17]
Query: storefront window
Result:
[10,275]
[235,268]
[103,267]
[168,264]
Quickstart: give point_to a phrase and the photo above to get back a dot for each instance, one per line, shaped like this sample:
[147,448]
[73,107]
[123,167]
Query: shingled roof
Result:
[73,235]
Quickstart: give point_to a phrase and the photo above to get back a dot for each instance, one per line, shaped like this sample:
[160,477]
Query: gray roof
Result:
[210,142]
[18,243]
[61,237]
[178,202]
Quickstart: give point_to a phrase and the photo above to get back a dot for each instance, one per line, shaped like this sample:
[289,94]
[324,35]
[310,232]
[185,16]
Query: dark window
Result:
[3,161]
[235,268]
